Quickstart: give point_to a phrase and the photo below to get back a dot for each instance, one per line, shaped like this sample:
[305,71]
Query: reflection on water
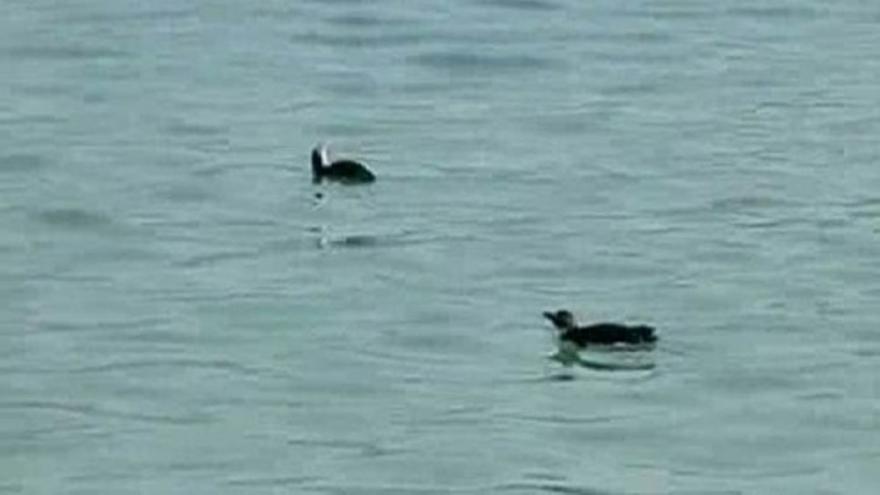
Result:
[616,358]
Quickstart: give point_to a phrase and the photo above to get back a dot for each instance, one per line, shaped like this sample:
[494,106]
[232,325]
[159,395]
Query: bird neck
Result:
[317,162]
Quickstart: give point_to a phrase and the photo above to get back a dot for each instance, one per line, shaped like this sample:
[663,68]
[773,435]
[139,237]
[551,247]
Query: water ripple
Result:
[353,40]
[223,365]
[73,53]
[148,14]
[212,259]
[76,218]
[472,63]
[90,410]
[283,481]
[771,11]
[360,447]
[527,5]
[341,489]
[22,162]
[550,488]
[361,21]
[565,420]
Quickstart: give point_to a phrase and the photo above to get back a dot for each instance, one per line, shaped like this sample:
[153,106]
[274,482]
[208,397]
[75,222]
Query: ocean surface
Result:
[181,313]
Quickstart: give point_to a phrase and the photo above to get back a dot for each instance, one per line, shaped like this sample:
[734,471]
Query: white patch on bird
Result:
[325,157]
[567,353]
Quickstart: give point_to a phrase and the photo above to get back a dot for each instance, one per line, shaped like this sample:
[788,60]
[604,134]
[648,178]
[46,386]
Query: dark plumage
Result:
[347,171]
[599,333]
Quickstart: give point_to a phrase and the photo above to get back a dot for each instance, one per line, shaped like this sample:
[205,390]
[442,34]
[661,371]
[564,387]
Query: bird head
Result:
[562,319]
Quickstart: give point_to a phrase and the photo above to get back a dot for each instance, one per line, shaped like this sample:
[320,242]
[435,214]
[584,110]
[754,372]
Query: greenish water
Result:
[180,314]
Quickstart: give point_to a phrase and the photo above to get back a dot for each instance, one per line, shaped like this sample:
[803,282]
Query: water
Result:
[181,315]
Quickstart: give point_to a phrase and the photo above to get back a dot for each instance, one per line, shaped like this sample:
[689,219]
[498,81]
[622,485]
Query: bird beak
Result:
[550,316]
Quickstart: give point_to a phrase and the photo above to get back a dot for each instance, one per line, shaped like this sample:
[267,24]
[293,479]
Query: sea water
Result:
[181,312]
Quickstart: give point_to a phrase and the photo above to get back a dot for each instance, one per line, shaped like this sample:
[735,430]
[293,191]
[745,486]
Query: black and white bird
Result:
[345,171]
[598,333]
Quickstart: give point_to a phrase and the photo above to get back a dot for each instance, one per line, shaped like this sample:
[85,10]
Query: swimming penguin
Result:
[345,171]
[598,333]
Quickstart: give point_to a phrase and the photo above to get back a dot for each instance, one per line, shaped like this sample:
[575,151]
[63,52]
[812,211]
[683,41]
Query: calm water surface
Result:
[181,314]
